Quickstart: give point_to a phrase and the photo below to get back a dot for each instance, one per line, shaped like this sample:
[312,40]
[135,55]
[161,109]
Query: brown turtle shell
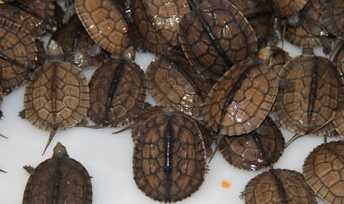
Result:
[158,22]
[259,14]
[171,85]
[73,43]
[278,186]
[18,55]
[104,23]
[306,35]
[26,21]
[288,8]
[323,171]
[308,94]
[117,92]
[59,179]
[169,157]
[256,150]
[241,99]
[216,35]
[57,97]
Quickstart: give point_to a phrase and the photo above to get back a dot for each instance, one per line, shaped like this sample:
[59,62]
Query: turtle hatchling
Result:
[278,186]
[323,170]
[56,98]
[256,150]
[169,156]
[241,99]
[59,179]
[117,93]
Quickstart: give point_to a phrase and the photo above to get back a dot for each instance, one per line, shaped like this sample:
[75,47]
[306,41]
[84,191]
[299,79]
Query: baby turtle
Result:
[241,99]
[172,86]
[308,94]
[117,91]
[56,98]
[105,24]
[323,171]
[73,44]
[288,8]
[256,150]
[216,35]
[169,157]
[18,56]
[278,186]
[158,22]
[60,179]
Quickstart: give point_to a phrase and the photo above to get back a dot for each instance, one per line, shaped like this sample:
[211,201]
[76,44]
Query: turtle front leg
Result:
[29,169]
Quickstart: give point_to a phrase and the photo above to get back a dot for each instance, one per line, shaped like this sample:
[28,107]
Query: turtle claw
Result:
[22,114]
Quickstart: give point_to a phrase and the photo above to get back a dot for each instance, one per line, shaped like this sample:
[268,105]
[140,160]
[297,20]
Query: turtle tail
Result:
[51,137]
[3,171]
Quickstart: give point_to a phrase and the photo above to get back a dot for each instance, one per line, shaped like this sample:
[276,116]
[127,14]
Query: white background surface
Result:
[108,158]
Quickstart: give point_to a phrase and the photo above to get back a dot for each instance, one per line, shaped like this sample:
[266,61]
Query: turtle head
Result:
[60,151]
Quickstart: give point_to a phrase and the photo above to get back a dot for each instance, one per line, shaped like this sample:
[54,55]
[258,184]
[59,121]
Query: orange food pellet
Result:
[225,184]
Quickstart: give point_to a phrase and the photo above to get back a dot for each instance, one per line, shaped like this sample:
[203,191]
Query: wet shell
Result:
[323,171]
[172,86]
[59,180]
[240,101]
[105,24]
[308,94]
[57,97]
[215,35]
[18,56]
[25,20]
[169,157]
[287,8]
[261,148]
[278,186]
[158,22]
[117,92]
[73,43]
[306,35]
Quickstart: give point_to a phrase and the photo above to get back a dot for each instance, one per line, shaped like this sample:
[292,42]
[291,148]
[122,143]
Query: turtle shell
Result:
[260,16]
[323,169]
[104,23]
[308,94]
[333,17]
[216,35]
[158,22]
[25,20]
[172,86]
[169,157]
[59,179]
[117,92]
[306,35]
[75,45]
[241,99]
[288,8]
[18,55]
[256,150]
[278,186]
[57,97]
